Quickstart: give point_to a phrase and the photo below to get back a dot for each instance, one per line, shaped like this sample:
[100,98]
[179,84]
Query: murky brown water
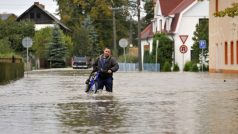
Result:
[153,103]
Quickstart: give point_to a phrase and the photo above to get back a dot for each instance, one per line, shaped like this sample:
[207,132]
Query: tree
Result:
[201,33]
[57,49]
[230,11]
[149,10]
[5,47]
[165,48]
[74,13]
[41,42]
[14,32]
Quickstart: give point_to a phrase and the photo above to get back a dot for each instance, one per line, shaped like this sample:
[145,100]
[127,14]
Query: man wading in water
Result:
[106,65]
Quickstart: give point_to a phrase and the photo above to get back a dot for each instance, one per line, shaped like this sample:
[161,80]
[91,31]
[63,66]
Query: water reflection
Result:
[101,114]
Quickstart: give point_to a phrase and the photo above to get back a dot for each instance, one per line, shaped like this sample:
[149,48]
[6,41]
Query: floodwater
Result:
[48,102]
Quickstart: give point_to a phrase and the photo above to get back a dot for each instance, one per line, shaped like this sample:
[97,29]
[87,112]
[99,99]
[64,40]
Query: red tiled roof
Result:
[183,5]
[168,5]
[147,32]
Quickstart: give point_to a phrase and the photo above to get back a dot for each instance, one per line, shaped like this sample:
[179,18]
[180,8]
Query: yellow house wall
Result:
[221,30]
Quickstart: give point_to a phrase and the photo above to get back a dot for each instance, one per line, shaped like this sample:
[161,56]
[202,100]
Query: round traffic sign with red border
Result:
[183,49]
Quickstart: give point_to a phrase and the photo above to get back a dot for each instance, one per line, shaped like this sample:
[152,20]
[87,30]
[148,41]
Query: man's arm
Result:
[115,65]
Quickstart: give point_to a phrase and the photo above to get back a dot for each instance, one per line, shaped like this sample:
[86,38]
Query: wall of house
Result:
[223,56]
[187,26]
[40,26]
[144,44]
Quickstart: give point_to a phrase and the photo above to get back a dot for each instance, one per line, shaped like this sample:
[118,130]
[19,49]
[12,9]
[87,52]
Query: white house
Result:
[178,19]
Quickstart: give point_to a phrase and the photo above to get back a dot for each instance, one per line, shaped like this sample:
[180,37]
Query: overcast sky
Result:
[19,6]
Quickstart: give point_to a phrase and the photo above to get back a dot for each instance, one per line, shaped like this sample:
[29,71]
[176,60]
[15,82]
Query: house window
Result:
[32,15]
[167,24]
[232,52]
[38,15]
[203,21]
[226,54]
[160,21]
[216,4]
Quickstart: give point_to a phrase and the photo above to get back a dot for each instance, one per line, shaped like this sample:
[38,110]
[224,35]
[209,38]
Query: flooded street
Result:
[46,102]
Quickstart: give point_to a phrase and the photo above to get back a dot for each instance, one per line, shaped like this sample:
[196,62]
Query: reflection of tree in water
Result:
[102,115]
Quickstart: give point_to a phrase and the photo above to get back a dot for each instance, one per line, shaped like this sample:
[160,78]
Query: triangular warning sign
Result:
[183,38]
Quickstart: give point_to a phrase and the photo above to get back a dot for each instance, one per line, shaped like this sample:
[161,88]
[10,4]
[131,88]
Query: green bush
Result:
[188,66]
[129,58]
[166,67]
[5,47]
[149,58]
[176,68]
[194,67]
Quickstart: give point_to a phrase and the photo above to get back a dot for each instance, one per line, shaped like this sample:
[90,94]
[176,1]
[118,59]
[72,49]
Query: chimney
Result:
[40,5]
[36,3]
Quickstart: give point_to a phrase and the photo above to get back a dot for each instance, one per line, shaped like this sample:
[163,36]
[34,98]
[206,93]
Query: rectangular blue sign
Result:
[202,44]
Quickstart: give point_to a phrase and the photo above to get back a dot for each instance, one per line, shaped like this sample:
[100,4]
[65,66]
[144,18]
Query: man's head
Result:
[107,52]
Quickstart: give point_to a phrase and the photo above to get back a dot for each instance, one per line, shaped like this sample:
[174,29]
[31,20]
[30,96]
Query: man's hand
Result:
[109,71]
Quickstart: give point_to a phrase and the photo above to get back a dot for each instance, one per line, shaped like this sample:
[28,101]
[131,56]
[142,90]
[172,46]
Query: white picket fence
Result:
[135,67]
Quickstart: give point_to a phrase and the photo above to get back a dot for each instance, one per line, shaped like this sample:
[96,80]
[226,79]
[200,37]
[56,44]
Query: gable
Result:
[39,15]
[199,6]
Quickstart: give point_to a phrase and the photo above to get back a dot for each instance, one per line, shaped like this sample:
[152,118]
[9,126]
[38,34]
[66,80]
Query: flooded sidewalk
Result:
[54,102]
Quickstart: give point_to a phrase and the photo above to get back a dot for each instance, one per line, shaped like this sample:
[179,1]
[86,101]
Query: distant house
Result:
[5,16]
[178,19]
[41,17]
[223,39]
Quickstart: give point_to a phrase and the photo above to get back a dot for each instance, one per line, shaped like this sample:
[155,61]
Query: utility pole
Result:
[130,34]
[139,38]
[114,34]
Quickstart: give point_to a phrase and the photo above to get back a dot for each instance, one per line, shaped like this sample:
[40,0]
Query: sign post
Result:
[183,48]
[202,45]
[156,58]
[27,42]
[123,43]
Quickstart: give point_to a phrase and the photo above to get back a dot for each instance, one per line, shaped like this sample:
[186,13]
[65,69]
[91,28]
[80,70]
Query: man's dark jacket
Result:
[102,65]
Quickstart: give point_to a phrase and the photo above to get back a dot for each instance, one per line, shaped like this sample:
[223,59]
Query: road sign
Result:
[27,42]
[183,49]
[202,44]
[123,42]
[183,38]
